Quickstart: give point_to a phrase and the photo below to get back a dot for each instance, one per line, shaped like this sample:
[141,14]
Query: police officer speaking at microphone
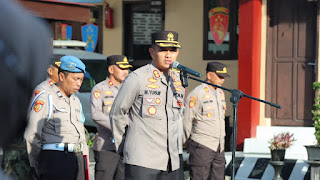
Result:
[145,112]
[204,124]
[55,134]
[108,162]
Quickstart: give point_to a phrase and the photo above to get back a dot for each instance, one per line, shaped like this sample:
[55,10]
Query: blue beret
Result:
[72,64]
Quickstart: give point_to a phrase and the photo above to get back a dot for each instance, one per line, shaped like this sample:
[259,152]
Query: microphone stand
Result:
[235,98]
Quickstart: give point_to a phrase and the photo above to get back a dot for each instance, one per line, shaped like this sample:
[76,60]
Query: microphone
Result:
[177,65]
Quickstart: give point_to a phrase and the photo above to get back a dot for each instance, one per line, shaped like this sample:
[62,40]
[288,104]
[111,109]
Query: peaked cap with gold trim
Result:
[165,39]
[55,59]
[119,60]
[218,68]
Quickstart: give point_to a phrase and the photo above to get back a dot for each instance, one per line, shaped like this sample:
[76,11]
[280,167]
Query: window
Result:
[96,71]
[220,31]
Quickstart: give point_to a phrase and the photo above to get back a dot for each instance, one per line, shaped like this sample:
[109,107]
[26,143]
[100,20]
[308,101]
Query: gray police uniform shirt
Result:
[43,86]
[102,97]
[204,118]
[63,126]
[150,136]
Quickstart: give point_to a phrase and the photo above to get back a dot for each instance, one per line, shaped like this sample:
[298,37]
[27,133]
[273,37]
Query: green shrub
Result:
[316,111]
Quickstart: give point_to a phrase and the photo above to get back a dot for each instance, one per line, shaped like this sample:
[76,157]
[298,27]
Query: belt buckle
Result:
[77,148]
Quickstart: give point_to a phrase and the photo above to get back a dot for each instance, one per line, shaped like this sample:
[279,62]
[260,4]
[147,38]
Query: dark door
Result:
[290,54]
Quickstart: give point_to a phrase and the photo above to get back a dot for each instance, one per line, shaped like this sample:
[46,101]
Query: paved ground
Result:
[255,166]
[251,166]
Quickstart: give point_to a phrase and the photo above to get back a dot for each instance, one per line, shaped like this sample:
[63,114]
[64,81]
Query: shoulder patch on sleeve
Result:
[38,105]
[96,94]
[192,103]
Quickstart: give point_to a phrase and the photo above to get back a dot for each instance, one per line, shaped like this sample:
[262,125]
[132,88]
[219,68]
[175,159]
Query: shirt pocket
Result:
[54,124]
[58,116]
[151,107]
[107,104]
[207,111]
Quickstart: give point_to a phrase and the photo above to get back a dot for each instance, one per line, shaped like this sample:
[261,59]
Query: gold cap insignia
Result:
[223,71]
[170,37]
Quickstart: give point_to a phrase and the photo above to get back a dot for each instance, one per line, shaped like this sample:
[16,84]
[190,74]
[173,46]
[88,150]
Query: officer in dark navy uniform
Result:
[55,135]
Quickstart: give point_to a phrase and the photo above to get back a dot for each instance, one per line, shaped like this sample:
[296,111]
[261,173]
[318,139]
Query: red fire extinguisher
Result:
[108,19]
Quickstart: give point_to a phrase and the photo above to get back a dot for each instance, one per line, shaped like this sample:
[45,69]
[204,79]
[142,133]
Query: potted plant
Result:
[278,145]
[314,150]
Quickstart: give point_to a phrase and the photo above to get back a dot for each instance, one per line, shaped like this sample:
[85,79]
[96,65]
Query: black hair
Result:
[66,73]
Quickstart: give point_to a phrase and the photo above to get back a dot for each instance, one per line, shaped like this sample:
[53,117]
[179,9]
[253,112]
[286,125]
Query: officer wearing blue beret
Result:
[55,134]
